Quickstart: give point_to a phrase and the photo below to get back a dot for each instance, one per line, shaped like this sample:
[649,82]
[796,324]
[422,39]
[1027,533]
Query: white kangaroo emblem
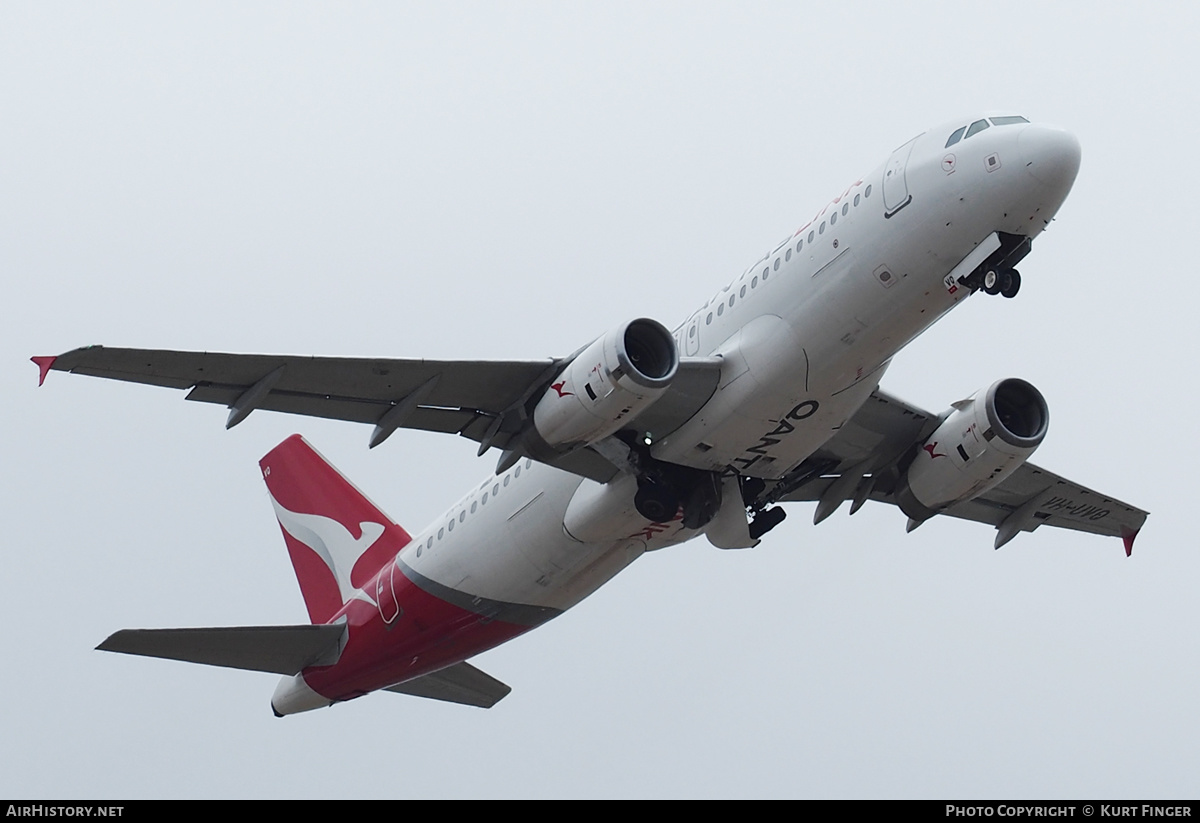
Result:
[333,543]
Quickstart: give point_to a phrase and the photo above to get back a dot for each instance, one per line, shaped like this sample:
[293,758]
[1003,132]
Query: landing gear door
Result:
[895,185]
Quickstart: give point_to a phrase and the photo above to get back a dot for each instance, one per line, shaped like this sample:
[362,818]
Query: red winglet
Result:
[1128,537]
[44,365]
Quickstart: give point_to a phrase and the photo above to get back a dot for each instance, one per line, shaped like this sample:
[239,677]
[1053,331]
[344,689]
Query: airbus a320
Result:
[766,395]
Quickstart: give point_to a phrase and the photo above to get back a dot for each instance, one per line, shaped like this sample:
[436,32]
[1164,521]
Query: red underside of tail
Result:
[424,635]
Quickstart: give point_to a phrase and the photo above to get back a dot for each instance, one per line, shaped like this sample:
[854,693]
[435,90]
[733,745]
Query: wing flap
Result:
[354,409]
[276,649]
[461,683]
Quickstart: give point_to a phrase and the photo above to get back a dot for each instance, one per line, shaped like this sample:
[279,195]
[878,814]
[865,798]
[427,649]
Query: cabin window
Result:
[441,533]
[857,197]
[954,138]
[474,506]
[788,256]
[742,293]
[483,500]
[812,235]
[708,320]
[721,309]
[821,230]
[867,192]
[754,282]
[450,526]
[845,209]
[776,264]
[833,218]
[495,490]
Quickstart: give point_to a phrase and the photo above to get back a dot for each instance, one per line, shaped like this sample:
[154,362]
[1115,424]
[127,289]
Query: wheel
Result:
[991,281]
[656,503]
[765,521]
[1010,284]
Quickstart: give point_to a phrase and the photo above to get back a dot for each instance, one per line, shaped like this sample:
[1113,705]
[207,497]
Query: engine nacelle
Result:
[603,512]
[608,383]
[984,439]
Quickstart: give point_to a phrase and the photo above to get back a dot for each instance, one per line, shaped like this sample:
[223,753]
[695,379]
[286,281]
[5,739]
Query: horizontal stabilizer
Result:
[278,649]
[460,683]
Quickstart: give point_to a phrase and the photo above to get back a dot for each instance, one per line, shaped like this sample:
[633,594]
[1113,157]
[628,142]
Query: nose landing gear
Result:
[1005,282]
[996,274]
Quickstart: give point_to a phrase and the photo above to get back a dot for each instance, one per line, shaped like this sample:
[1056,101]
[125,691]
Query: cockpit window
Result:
[980,125]
[976,127]
[954,138]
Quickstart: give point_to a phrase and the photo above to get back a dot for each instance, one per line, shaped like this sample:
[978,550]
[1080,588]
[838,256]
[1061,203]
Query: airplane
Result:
[766,395]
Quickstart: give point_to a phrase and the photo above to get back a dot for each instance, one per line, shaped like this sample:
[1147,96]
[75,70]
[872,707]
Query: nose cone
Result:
[1051,156]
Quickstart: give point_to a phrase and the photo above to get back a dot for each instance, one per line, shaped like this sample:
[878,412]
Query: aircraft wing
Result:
[483,400]
[865,458]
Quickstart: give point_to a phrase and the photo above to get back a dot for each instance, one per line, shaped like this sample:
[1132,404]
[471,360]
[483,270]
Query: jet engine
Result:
[611,381]
[983,440]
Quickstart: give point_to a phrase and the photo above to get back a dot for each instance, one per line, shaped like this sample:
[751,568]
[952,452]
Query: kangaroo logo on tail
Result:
[337,538]
[333,543]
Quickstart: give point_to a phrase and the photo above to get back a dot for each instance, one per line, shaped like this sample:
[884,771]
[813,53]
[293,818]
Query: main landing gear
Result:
[1006,282]
[664,487]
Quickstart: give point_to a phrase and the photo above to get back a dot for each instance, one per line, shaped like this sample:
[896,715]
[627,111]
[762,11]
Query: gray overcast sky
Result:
[510,180]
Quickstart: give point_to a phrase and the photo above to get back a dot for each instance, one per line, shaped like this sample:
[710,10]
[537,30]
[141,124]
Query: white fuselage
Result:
[803,336]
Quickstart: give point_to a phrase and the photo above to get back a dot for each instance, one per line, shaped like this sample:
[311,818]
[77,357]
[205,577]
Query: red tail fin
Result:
[337,538]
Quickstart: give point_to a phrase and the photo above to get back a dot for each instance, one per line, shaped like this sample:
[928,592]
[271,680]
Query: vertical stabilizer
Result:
[336,537]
